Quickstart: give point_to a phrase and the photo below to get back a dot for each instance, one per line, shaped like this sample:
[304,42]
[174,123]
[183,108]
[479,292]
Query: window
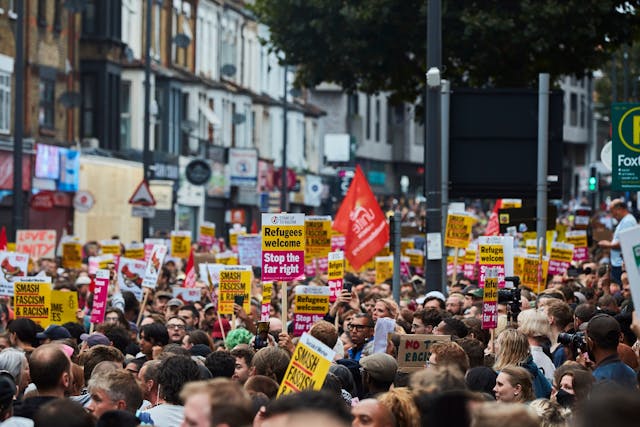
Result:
[185,127]
[583,111]
[573,110]
[57,17]
[368,121]
[46,112]
[88,85]
[377,120]
[5,102]
[125,114]
[89,18]
[155,46]
[42,13]
[12,13]
[354,108]
[102,19]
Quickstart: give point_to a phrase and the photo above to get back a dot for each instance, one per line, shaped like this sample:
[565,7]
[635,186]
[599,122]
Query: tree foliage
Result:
[380,45]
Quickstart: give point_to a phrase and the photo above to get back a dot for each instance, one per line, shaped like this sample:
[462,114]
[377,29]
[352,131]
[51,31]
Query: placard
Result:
[233,235]
[100,261]
[267,292]
[384,268]
[416,257]
[495,252]
[64,305]
[207,235]
[335,274]
[227,258]
[250,249]
[578,238]
[154,266]
[406,243]
[458,231]
[149,243]
[130,276]
[180,244]
[100,294]
[470,261]
[414,350]
[560,257]
[283,245]
[234,280]
[13,267]
[32,299]
[490,299]
[630,245]
[311,305]
[134,250]
[36,243]
[187,295]
[308,366]
[318,237]
[110,247]
[71,254]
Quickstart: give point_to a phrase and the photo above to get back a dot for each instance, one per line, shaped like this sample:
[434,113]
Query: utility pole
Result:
[284,194]
[432,186]
[18,122]
[146,153]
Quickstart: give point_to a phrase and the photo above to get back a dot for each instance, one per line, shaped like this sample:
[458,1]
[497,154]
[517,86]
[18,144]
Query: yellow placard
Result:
[577,238]
[64,306]
[406,243]
[134,252]
[180,244]
[518,265]
[531,246]
[335,269]
[110,247]
[491,254]
[72,255]
[416,257]
[234,281]
[32,299]
[511,203]
[308,366]
[561,230]
[233,236]
[529,276]
[311,304]
[318,238]
[384,268]
[227,258]
[458,231]
[208,229]
[267,291]
[11,247]
[561,252]
[283,238]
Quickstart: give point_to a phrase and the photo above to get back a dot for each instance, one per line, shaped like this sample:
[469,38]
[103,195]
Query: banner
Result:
[311,305]
[100,295]
[318,237]
[384,268]
[14,267]
[187,295]
[134,251]
[578,239]
[458,231]
[308,366]
[190,273]
[490,299]
[130,276]
[362,221]
[110,247]
[630,245]
[64,306]
[154,266]
[180,244]
[267,292]
[72,254]
[207,235]
[36,243]
[560,257]
[32,299]
[250,249]
[335,274]
[148,246]
[234,280]
[470,261]
[495,252]
[283,244]
[414,350]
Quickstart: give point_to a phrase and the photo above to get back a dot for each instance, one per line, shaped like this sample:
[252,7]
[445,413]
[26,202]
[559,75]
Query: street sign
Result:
[625,126]
[142,196]
[143,211]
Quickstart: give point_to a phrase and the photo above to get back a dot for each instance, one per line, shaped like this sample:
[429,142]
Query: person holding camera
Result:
[603,336]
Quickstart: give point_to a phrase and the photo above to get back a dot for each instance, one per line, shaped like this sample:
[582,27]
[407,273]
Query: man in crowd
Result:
[190,316]
[371,413]
[626,220]
[177,329]
[425,320]
[116,390]
[242,370]
[361,332]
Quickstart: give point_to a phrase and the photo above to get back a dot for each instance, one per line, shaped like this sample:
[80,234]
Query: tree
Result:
[380,45]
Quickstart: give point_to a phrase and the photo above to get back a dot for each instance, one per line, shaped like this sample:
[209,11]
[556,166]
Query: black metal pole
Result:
[284,189]
[432,156]
[146,154]
[18,122]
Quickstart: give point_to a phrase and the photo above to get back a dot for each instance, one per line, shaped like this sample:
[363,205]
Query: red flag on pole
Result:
[3,239]
[493,226]
[362,222]
[190,273]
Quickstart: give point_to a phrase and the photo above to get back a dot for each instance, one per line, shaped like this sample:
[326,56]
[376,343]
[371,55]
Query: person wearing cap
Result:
[53,333]
[433,299]
[208,318]
[378,373]
[173,305]
[95,338]
[454,304]
[603,336]
[82,286]
[160,300]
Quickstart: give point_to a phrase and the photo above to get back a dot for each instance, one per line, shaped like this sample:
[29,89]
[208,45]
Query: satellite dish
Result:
[182,40]
[70,99]
[228,70]
[239,118]
[606,156]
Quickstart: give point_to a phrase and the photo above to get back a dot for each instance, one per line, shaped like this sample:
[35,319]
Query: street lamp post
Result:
[283,177]
[18,126]
[146,153]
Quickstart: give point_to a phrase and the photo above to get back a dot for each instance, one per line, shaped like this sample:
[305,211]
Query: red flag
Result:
[493,226]
[362,222]
[190,273]
[3,239]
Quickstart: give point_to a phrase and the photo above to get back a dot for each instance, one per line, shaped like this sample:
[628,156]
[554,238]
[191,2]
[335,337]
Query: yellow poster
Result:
[384,268]
[110,247]
[64,306]
[406,243]
[416,257]
[458,231]
[529,276]
[318,237]
[531,246]
[227,258]
[511,203]
[336,269]
[180,244]
[267,291]
[32,299]
[233,235]
[577,238]
[72,255]
[518,265]
[11,247]
[134,251]
[308,366]
[561,252]
[235,280]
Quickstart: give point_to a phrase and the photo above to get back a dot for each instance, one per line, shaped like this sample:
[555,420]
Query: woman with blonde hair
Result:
[551,413]
[514,385]
[512,348]
[385,307]
[535,325]
[401,404]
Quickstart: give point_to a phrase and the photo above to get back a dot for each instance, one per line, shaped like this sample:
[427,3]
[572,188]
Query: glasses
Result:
[176,327]
[353,327]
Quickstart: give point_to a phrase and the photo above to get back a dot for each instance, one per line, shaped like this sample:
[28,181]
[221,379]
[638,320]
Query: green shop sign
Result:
[625,122]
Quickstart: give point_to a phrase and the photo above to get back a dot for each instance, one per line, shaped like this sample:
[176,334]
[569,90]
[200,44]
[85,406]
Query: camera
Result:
[575,341]
[511,298]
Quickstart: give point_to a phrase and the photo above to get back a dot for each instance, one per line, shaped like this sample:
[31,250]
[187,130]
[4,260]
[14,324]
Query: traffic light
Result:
[593,180]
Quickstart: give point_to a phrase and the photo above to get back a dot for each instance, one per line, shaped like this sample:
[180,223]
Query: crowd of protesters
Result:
[566,356]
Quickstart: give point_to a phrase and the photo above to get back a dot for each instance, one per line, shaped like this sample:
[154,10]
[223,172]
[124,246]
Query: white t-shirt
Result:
[166,415]
[544,362]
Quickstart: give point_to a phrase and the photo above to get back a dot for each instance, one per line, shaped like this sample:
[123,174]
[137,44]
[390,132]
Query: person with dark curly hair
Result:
[173,374]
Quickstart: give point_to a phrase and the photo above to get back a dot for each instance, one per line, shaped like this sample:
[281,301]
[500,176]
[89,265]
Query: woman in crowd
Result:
[514,385]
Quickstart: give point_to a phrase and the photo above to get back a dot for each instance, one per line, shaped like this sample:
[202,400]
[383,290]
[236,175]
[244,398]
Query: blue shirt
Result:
[628,221]
[614,370]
